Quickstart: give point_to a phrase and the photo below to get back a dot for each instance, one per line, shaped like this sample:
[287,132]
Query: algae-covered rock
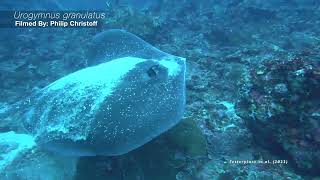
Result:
[161,159]
[188,137]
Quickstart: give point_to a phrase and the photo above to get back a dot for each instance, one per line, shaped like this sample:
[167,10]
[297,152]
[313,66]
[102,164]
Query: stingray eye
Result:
[153,71]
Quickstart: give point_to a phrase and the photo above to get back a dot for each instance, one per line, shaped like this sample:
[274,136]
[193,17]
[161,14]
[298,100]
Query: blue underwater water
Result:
[161,90]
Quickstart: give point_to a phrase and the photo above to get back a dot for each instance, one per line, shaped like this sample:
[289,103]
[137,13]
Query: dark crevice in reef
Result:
[264,138]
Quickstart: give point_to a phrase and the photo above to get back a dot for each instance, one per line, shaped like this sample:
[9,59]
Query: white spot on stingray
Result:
[172,66]
[97,81]
[88,87]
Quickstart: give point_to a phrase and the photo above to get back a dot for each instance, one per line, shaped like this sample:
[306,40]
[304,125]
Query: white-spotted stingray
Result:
[131,93]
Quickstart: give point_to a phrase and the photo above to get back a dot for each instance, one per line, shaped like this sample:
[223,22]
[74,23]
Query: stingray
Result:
[131,93]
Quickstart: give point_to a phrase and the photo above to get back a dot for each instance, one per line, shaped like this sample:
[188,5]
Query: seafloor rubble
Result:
[253,86]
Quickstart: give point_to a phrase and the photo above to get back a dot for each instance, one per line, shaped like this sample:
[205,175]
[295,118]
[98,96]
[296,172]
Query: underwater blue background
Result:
[252,87]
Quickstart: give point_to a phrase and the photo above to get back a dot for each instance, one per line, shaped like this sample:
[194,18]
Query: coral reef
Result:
[281,110]
[252,86]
